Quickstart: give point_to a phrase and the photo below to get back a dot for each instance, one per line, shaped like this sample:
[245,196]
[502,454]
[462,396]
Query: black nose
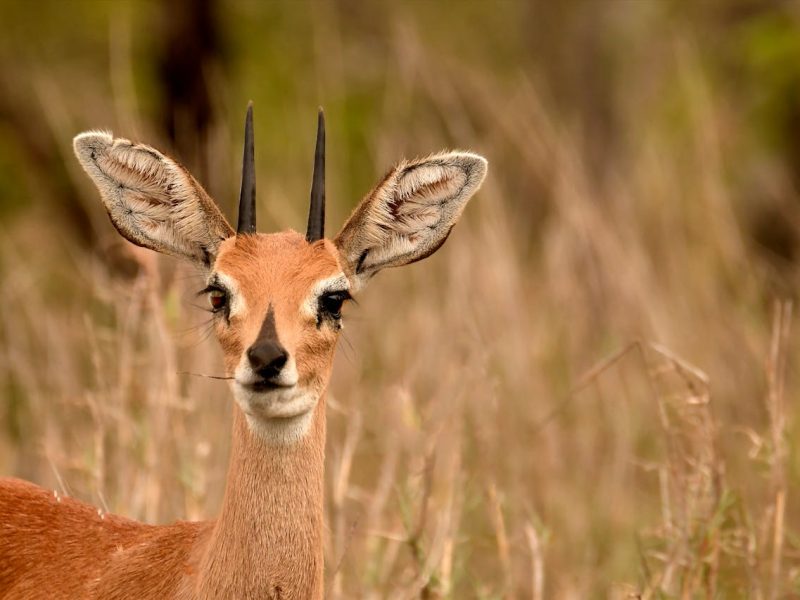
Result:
[267,358]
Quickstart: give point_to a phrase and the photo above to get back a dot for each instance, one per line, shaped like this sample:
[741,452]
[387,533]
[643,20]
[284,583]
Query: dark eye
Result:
[330,304]
[218,299]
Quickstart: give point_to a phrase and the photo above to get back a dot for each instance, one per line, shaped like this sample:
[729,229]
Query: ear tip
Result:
[90,142]
[475,164]
[473,157]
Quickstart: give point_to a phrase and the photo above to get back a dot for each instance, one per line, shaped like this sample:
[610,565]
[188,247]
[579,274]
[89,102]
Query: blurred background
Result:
[589,392]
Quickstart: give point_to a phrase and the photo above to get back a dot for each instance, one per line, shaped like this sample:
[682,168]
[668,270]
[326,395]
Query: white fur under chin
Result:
[280,416]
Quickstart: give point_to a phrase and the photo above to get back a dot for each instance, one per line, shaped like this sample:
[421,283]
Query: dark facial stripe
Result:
[268,330]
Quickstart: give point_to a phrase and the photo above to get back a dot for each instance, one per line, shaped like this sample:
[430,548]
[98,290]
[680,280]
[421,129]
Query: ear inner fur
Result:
[152,200]
[409,214]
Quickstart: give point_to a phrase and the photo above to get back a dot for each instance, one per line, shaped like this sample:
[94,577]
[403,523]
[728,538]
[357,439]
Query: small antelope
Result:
[277,301]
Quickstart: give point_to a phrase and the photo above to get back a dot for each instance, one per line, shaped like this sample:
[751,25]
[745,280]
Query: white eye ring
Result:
[234,301]
[330,285]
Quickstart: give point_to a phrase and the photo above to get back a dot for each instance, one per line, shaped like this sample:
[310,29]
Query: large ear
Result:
[151,199]
[409,215]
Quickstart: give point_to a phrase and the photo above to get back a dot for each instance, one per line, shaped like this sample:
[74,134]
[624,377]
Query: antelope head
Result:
[277,298]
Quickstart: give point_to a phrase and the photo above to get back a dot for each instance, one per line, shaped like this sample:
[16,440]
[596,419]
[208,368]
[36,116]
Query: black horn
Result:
[247,196]
[316,213]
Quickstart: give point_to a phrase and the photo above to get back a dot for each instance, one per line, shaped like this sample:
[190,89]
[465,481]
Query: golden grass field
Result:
[591,391]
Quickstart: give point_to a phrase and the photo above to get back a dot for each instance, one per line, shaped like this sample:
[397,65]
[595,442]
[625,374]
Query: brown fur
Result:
[55,547]
[280,269]
[266,543]
[267,540]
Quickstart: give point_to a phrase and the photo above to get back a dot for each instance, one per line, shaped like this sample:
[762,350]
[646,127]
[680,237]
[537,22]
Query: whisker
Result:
[203,375]
[197,333]
[348,350]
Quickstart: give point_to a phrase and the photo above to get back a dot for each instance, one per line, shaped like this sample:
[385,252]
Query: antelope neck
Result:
[267,541]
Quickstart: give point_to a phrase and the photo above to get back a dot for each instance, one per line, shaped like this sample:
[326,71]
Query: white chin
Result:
[283,413]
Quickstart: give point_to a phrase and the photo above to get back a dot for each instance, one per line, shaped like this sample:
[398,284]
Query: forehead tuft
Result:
[284,258]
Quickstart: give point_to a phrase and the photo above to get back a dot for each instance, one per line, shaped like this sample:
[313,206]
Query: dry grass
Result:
[587,392]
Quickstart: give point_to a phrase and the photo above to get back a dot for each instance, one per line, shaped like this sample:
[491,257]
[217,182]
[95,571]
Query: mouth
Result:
[264,386]
[270,401]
